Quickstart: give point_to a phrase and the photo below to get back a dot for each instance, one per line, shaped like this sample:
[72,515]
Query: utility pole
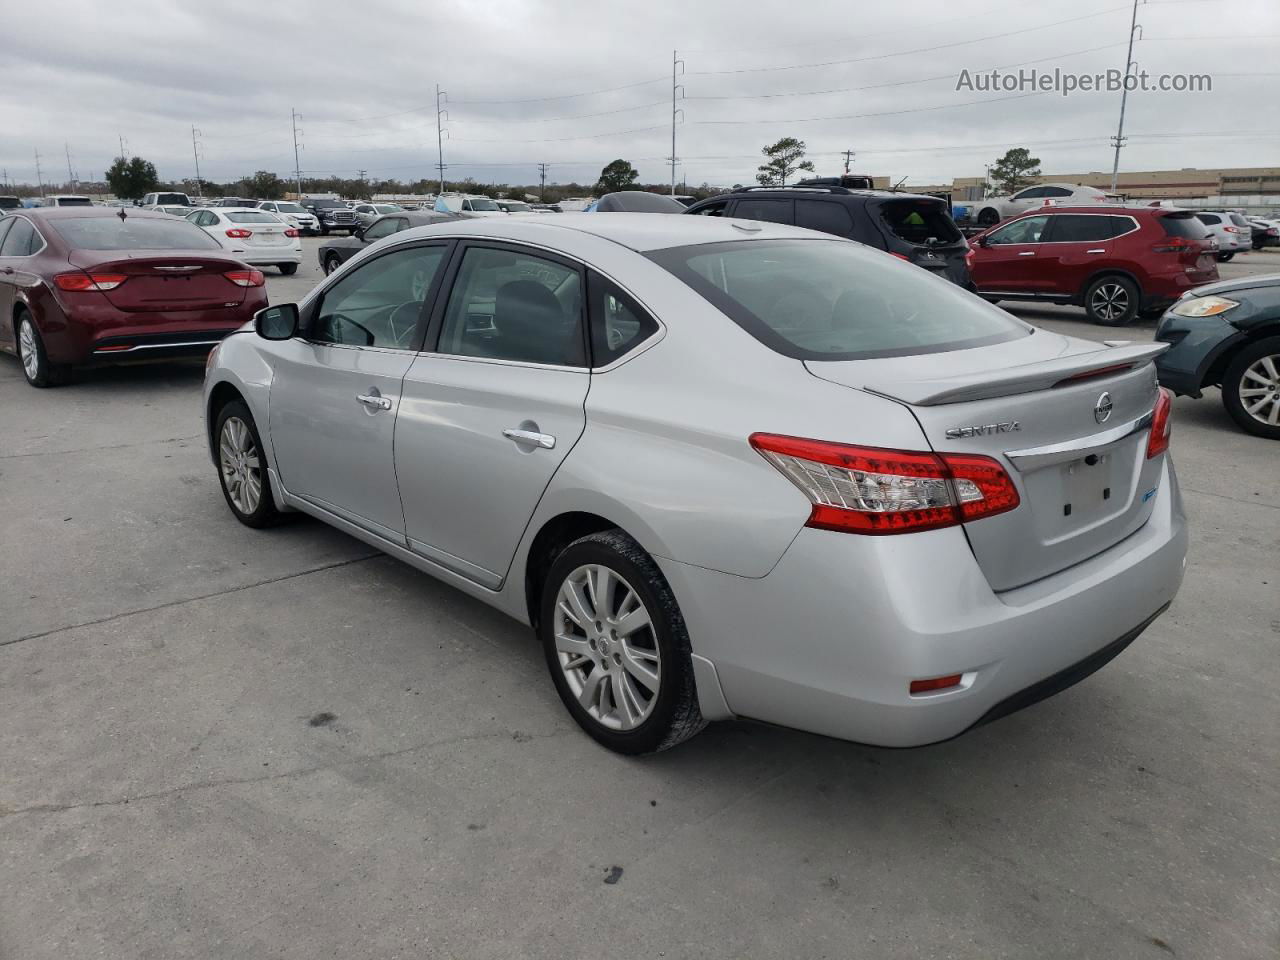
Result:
[71,177]
[363,185]
[1119,138]
[297,164]
[676,89]
[195,152]
[848,157]
[442,97]
[542,182]
[121,138]
[39,178]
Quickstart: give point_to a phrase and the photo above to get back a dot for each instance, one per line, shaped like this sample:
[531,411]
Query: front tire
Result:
[988,217]
[1112,301]
[39,370]
[1224,257]
[288,269]
[1251,388]
[242,467]
[617,646]
[331,263]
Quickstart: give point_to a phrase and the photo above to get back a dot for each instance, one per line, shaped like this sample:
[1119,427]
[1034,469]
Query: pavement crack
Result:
[285,775]
[109,446]
[203,596]
[1223,496]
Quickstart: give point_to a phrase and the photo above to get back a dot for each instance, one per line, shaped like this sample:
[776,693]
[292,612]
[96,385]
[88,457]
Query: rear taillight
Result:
[900,256]
[875,491]
[1161,425]
[290,232]
[239,233]
[82,282]
[246,278]
[1173,245]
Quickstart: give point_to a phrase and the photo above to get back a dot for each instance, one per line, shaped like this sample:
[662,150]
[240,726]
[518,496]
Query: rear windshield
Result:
[920,222]
[289,208]
[175,198]
[328,205]
[1238,220]
[10,203]
[74,202]
[482,203]
[250,216]
[133,233]
[1184,225]
[832,300]
[1208,218]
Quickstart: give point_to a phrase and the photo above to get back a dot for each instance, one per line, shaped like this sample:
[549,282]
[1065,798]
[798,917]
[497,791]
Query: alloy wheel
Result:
[28,350]
[1260,390]
[241,465]
[1110,301]
[606,647]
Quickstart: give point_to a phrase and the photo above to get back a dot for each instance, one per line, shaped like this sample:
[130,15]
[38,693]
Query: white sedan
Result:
[255,236]
[994,209]
[294,214]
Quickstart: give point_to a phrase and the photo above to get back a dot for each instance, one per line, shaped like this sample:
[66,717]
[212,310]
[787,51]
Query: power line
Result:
[579,116]
[883,113]
[903,53]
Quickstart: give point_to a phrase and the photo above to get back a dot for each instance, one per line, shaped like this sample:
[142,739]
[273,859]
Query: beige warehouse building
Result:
[1188,183]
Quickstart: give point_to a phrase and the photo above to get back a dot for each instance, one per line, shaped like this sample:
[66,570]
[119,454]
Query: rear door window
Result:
[825,215]
[1054,192]
[20,239]
[1081,228]
[618,323]
[920,222]
[772,211]
[1238,220]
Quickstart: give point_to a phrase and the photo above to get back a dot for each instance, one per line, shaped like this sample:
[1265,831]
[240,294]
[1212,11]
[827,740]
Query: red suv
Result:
[1119,263]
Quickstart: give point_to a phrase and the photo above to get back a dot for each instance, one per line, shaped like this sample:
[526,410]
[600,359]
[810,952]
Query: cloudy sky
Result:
[576,83]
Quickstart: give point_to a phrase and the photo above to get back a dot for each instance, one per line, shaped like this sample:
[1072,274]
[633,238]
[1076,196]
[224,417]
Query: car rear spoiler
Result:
[1028,378]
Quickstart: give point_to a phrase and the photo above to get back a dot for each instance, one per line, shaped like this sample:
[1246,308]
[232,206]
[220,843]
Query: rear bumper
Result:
[830,640]
[77,338]
[269,256]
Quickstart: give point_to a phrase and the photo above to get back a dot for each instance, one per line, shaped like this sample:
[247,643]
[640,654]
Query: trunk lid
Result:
[169,282]
[1036,405]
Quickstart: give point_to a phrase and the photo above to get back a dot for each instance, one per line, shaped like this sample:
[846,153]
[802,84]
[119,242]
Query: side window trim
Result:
[431,342]
[432,297]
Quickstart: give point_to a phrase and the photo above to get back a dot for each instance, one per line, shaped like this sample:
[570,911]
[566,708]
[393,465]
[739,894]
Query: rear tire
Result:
[1252,380]
[288,269]
[620,661]
[988,217]
[331,263]
[242,467]
[1224,257]
[39,370]
[1112,301]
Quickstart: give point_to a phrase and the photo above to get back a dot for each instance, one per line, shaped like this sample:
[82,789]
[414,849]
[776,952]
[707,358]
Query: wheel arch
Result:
[552,537]
[1217,367]
[1103,272]
[220,395]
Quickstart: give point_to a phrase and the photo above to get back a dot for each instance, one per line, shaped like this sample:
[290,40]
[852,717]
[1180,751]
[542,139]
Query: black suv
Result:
[910,226]
[332,215]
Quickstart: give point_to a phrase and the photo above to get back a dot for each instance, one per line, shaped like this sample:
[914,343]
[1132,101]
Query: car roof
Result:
[641,232]
[822,191]
[71,213]
[1100,209]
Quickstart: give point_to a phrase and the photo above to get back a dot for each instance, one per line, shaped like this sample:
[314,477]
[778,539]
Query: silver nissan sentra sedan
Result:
[723,468]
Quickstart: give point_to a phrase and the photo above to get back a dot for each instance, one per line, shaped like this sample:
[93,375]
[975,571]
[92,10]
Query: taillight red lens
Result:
[290,232]
[936,683]
[1172,245]
[1161,424]
[82,282]
[239,233]
[900,256]
[246,278]
[876,491]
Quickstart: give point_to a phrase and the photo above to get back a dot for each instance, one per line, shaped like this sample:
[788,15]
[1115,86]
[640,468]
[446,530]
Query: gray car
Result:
[723,468]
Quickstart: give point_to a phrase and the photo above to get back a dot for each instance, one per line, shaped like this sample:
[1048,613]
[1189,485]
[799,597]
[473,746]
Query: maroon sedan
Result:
[82,285]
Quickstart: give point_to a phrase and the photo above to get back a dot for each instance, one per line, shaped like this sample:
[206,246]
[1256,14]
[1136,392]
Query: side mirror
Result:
[277,323]
[359,234]
[984,240]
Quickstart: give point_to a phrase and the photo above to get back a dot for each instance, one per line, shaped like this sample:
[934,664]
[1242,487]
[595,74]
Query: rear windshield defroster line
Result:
[814,299]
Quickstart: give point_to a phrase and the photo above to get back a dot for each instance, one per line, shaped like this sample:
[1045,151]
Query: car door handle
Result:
[543,440]
[1095,251]
[1027,253]
[376,402]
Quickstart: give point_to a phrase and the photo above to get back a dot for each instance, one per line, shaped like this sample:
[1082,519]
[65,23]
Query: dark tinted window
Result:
[711,210]
[1184,225]
[774,211]
[19,240]
[1081,228]
[384,228]
[1030,194]
[826,300]
[380,302]
[617,322]
[1238,220]
[920,221]
[515,306]
[1026,230]
[10,203]
[133,233]
[1210,218]
[75,202]
[179,199]
[5,224]
[1054,192]
[825,215]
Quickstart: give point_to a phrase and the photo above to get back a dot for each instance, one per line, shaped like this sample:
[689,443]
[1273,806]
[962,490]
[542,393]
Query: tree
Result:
[264,185]
[1015,170]
[619,175]
[130,179]
[785,158]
